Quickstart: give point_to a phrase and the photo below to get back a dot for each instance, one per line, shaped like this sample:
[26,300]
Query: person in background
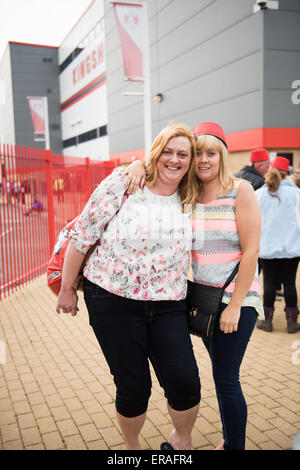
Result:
[36,207]
[279,202]
[254,173]
[226,223]
[296,177]
[135,283]
[259,165]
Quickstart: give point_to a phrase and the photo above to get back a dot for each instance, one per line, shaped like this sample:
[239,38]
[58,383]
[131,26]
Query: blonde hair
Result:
[158,145]
[226,179]
[273,179]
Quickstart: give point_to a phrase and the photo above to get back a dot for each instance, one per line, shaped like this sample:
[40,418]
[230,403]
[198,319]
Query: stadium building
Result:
[230,61]
[28,70]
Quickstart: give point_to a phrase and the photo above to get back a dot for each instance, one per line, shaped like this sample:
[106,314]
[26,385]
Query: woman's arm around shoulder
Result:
[135,173]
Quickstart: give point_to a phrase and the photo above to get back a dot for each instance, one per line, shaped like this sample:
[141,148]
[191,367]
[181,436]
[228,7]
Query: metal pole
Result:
[47,134]
[50,200]
[147,83]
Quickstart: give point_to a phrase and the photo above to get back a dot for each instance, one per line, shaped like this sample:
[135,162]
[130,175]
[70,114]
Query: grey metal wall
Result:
[35,73]
[281,64]
[206,60]
[7,128]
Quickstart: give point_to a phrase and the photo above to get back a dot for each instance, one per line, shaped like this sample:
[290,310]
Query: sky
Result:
[45,22]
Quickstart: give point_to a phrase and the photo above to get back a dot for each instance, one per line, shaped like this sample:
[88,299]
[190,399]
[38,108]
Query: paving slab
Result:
[56,391]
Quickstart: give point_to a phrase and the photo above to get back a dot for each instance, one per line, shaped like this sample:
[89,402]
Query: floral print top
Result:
[144,251]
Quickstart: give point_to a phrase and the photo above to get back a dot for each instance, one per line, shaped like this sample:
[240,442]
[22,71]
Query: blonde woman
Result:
[135,284]
[279,201]
[226,223]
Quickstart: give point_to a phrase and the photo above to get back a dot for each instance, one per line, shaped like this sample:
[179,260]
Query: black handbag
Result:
[203,304]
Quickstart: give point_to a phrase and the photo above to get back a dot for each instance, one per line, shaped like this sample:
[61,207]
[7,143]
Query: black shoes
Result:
[166,446]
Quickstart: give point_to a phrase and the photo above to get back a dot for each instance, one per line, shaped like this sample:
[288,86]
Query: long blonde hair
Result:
[226,179]
[158,145]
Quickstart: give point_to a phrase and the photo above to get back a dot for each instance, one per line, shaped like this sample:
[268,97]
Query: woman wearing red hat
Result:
[226,223]
[279,201]
[231,222]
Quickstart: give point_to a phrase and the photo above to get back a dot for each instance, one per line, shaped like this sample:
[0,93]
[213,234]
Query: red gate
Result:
[39,193]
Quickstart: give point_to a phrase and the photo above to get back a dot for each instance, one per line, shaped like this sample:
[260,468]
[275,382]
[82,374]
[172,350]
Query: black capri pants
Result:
[132,332]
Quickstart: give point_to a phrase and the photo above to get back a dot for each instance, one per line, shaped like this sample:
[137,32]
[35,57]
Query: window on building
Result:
[102,131]
[70,142]
[99,27]
[86,136]
[90,135]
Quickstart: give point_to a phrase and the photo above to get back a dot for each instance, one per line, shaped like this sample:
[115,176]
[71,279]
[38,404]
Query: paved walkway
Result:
[56,391]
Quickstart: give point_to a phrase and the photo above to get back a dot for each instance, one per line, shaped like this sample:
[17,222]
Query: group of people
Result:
[278,195]
[182,210]
[14,189]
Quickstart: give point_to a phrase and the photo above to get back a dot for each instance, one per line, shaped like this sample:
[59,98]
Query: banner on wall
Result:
[38,113]
[38,106]
[129,19]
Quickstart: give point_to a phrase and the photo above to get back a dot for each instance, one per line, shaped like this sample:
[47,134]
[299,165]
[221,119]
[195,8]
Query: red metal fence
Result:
[39,193]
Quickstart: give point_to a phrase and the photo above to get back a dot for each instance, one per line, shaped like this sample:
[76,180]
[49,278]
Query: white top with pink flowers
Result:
[145,246]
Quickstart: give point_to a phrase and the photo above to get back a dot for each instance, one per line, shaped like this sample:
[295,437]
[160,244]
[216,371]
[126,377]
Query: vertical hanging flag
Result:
[37,109]
[129,21]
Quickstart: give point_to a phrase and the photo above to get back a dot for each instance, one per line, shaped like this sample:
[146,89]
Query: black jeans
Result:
[132,332]
[226,353]
[283,269]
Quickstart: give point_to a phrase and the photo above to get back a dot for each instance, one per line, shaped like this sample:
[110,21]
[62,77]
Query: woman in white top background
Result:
[135,286]
[279,201]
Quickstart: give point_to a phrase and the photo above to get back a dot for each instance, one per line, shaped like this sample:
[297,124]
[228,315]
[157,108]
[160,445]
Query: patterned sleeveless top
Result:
[216,247]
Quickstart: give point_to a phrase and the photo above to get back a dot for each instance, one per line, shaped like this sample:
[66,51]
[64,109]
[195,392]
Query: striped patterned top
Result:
[217,249]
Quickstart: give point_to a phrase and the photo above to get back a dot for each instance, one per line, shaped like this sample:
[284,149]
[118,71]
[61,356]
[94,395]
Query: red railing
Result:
[39,193]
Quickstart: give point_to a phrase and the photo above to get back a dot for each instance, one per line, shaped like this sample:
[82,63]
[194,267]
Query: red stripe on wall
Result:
[32,45]
[268,137]
[84,95]
[277,137]
[79,92]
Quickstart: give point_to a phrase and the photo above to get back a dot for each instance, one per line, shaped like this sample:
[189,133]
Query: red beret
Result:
[259,155]
[281,163]
[210,128]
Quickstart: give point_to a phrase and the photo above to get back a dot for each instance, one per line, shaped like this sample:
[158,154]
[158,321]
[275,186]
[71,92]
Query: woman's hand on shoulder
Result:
[135,173]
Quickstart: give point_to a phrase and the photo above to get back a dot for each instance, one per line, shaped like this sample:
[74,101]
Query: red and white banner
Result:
[38,113]
[129,20]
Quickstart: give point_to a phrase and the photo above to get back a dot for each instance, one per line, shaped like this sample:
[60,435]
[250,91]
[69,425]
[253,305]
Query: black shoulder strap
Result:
[232,275]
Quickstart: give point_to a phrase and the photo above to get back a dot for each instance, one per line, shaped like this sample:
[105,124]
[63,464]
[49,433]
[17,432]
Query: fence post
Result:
[88,178]
[50,200]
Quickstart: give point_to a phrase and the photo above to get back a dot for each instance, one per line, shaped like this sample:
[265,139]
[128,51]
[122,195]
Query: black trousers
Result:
[284,270]
[132,332]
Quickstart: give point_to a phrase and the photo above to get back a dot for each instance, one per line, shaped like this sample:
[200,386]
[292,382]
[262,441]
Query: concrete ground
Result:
[56,391]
